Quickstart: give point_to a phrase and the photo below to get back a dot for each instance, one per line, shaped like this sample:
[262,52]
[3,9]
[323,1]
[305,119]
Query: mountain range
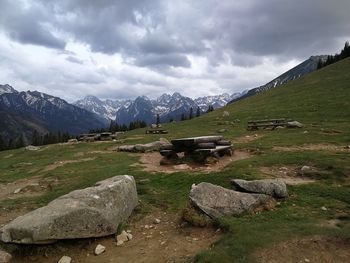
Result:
[169,107]
[24,112]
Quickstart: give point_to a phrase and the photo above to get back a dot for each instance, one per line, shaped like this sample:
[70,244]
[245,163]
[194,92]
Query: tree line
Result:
[115,127]
[37,139]
[345,53]
[191,115]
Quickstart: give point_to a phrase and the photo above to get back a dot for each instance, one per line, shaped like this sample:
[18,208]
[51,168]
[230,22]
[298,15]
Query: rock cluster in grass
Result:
[92,212]
[148,147]
[123,237]
[208,202]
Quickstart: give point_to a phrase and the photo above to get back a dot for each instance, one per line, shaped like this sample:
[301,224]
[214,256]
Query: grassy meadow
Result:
[320,100]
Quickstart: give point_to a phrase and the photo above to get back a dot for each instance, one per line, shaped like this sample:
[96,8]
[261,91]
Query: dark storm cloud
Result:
[160,60]
[150,31]
[289,28]
[28,25]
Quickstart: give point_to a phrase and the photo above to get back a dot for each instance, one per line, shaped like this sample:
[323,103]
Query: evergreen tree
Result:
[19,142]
[210,108]
[191,113]
[36,138]
[11,144]
[183,116]
[158,119]
[198,113]
[3,145]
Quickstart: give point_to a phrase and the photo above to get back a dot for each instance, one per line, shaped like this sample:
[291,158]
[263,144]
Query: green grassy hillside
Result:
[320,100]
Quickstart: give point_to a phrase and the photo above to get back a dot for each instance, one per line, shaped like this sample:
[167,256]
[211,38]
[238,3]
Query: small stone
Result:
[123,237]
[156,221]
[64,259]
[195,239]
[120,243]
[5,257]
[146,227]
[307,260]
[324,208]
[99,249]
[162,243]
[305,132]
[149,236]
[17,190]
[128,231]
[129,236]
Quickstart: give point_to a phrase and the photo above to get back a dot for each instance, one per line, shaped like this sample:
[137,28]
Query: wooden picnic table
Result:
[267,123]
[198,147]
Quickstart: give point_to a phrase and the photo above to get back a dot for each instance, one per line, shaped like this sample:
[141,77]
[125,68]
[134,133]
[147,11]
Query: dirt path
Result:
[312,147]
[247,138]
[314,249]
[151,243]
[32,186]
[57,164]
[151,163]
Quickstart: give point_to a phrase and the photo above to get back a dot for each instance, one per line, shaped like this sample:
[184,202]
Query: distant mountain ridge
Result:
[307,66]
[143,108]
[24,112]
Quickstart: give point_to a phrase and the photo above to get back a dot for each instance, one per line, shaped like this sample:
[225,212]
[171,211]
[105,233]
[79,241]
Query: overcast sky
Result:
[126,48]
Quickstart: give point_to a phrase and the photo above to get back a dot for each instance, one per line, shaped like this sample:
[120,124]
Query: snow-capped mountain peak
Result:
[7,89]
[106,109]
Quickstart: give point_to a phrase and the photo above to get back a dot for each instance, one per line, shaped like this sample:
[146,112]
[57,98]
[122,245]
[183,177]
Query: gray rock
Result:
[99,249]
[148,147]
[225,114]
[92,212]
[5,257]
[72,141]
[272,187]
[217,201]
[32,148]
[65,259]
[294,124]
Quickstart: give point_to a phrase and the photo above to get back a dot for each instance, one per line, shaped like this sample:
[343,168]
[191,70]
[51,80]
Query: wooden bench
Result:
[268,123]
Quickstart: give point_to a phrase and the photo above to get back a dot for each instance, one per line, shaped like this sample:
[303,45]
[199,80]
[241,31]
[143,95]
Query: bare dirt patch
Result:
[167,241]
[248,138]
[311,249]
[151,163]
[288,174]
[28,187]
[57,164]
[312,147]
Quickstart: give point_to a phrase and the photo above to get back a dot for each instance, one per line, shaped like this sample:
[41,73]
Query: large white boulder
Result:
[92,212]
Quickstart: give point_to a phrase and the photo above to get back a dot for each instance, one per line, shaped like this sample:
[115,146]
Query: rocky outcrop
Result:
[216,201]
[92,212]
[148,147]
[273,187]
